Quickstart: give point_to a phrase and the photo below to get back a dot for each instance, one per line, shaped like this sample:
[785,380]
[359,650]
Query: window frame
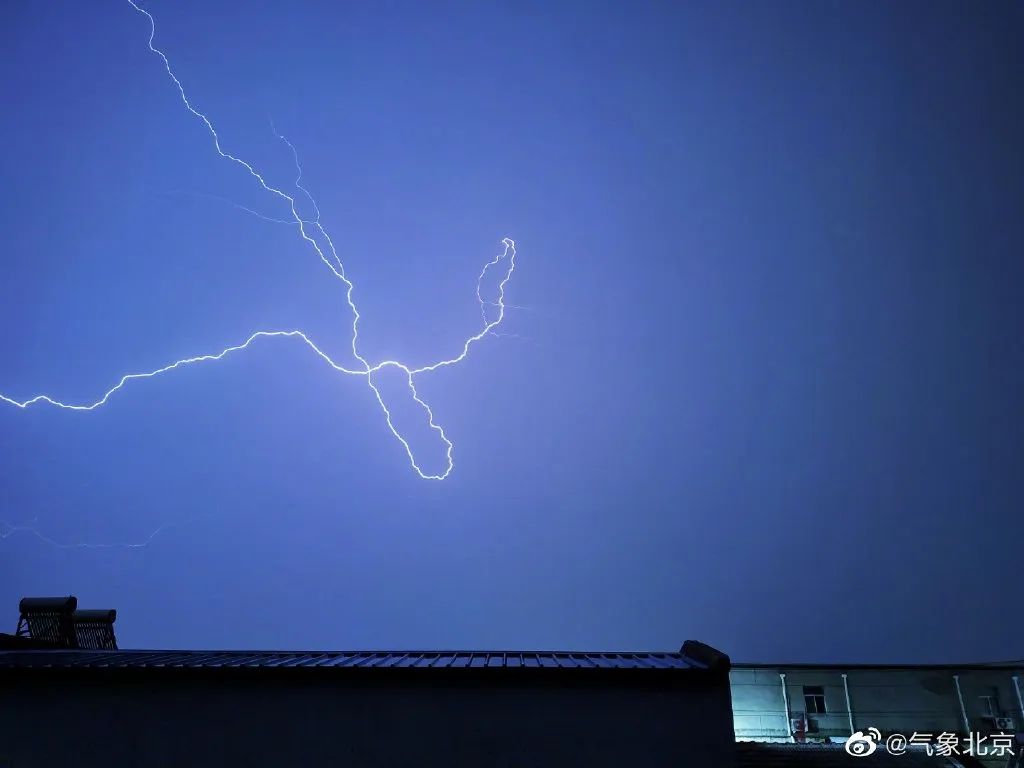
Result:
[814,700]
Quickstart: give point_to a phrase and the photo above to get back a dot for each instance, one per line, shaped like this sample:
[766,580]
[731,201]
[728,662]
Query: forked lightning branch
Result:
[320,243]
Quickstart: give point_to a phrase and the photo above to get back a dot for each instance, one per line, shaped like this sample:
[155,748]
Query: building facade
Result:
[806,703]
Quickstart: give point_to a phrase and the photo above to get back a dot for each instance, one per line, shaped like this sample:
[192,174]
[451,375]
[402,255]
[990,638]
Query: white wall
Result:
[892,700]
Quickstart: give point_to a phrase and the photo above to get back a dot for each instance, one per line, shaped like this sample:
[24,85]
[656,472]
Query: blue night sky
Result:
[761,383]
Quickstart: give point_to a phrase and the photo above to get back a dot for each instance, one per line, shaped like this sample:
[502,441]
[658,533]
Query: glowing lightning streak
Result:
[6,529]
[178,364]
[244,209]
[337,269]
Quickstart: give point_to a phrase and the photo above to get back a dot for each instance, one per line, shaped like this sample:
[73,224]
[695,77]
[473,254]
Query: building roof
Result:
[1011,664]
[155,659]
[54,635]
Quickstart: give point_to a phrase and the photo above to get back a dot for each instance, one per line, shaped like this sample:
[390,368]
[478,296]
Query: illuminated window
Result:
[814,699]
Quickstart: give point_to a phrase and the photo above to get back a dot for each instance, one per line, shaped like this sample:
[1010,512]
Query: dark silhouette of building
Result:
[86,706]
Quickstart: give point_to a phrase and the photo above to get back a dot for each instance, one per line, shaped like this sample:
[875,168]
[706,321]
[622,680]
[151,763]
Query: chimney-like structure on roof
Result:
[56,622]
[705,654]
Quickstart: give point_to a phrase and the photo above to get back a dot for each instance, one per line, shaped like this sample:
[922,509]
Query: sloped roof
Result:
[139,659]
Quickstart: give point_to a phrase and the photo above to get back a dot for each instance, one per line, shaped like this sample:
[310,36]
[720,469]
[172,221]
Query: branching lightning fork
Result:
[314,234]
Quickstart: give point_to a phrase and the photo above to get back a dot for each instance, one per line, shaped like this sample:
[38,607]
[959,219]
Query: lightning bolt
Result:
[319,240]
[8,529]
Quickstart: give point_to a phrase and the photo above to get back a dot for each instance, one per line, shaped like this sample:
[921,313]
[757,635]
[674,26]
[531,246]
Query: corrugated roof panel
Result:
[283,660]
[362,659]
[332,660]
[664,661]
[96,661]
[204,659]
[154,659]
[220,660]
[323,659]
[252,659]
